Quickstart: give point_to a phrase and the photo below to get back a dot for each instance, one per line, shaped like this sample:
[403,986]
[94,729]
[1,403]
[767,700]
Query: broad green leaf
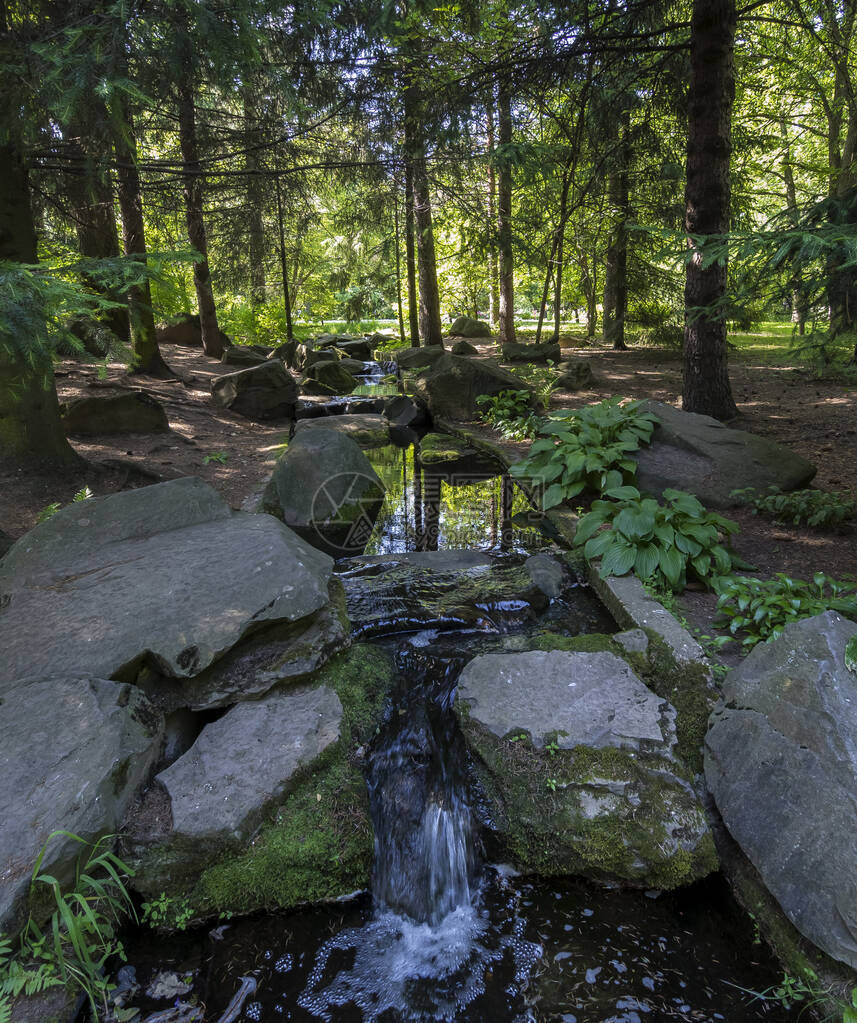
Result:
[598,544]
[851,654]
[647,560]
[619,559]
[552,496]
[671,564]
[635,523]
[625,493]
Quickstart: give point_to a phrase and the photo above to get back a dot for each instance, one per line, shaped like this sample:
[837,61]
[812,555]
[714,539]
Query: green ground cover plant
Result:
[511,413]
[817,509]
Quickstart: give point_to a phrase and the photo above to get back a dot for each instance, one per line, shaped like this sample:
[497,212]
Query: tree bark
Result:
[212,339]
[411,259]
[284,269]
[255,223]
[504,217]
[146,355]
[493,275]
[706,387]
[430,326]
[31,431]
[398,233]
[616,270]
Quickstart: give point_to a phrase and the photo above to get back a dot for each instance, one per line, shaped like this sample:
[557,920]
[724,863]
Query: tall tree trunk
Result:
[559,261]
[706,386]
[284,269]
[31,432]
[255,193]
[411,258]
[799,303]
[90,190]
[493,274]
[430,325]
[616,269]
[146,355]
[504,217]
[399,309]
[212,339]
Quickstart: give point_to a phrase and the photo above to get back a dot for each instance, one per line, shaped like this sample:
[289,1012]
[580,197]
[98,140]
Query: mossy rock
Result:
[317,843]
[612,804]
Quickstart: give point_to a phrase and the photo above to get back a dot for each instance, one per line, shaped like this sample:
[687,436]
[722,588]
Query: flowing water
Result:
[443,936]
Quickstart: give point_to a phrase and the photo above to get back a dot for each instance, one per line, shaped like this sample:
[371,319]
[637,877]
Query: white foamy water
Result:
[416,971]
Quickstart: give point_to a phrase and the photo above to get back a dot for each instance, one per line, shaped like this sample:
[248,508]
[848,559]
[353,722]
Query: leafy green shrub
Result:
[651,314]
[761,608]
[815,508]
[511,413]
[80,936]
[658,542]
[586,447]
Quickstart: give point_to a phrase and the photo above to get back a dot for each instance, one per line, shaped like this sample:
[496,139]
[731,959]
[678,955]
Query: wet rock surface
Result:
[166,575]
[73,751]
[781,763]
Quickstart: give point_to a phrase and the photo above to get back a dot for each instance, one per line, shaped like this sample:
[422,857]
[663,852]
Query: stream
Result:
[444,935]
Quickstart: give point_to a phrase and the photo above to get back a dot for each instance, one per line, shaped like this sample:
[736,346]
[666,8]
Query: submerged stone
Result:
[576,758]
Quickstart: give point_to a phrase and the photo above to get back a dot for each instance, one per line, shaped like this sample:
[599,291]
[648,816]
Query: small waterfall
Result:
[425,855]
[425,954]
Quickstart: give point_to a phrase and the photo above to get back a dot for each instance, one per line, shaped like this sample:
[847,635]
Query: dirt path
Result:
[815,418]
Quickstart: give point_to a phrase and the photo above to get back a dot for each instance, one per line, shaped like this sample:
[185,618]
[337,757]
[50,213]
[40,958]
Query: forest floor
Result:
[777,398]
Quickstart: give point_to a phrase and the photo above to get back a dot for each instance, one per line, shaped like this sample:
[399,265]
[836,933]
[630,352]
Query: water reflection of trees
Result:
[427,508]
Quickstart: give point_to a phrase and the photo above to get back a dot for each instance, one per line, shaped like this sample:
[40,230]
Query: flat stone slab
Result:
[781,763]
[73,751]
[167,575]
[700,455]
[244,761]
[588,699]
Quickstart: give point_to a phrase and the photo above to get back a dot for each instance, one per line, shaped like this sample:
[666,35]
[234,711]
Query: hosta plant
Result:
[761,608]
[660,543]
[586,448]
[511,413]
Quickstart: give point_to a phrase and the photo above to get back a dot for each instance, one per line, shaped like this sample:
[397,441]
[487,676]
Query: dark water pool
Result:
[472,505]
[545,951]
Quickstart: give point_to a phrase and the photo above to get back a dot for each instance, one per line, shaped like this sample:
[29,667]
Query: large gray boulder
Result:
[417,358]
[73,752]
[576,757]
[128,412]
[781,763]
[359,348]
[244,355]
[699,454]
[466,326]
[452,384]
[166,575]
[521,351]
[219,790]
[463,347]
[366,429]
[574,375]
[266,391]
[287,652]
[333,376]
[325,489]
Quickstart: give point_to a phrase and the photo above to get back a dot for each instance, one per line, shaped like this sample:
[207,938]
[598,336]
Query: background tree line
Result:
[592,160]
